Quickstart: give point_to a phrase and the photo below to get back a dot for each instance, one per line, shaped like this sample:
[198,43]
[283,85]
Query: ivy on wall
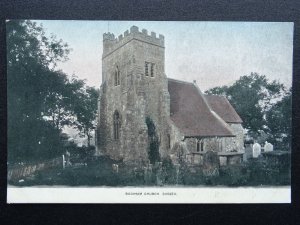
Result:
[153,152]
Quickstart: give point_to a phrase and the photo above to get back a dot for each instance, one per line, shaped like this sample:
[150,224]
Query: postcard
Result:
[149,111]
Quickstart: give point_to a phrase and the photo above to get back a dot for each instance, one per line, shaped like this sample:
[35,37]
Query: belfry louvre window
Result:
[117,76]
[146,69]
[152,70]
[117,124]
[149,69]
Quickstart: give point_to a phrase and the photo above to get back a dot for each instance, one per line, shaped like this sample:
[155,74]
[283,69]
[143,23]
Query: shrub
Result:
[153,152]
[169,171]
[234,175]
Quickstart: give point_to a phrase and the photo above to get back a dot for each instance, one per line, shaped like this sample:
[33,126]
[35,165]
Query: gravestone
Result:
[177,169]
[256,150]
[115,168]
[67,158]
[63,161]
[248,152]
[159,173]
[223,161]
[268,147]
[210,164]
[148,173]
[150,166]
[135,171]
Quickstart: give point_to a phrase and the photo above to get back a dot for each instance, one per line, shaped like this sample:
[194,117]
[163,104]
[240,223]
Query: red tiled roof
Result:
[223,108]
[191,113]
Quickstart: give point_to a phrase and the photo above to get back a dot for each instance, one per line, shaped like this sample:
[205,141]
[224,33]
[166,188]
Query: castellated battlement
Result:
[111,43]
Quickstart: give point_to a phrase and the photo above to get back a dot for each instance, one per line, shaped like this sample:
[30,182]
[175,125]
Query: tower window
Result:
[152,69]
[146,69]
[149,69]
[169,141]
[117,76]
[116,125]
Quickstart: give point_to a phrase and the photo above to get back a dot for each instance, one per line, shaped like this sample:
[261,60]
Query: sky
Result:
[212,53]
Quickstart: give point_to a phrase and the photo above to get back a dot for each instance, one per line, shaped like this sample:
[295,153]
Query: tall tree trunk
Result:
[89,139]
[58,119]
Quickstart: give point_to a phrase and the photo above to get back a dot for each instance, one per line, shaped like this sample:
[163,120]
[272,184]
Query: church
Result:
[135,87]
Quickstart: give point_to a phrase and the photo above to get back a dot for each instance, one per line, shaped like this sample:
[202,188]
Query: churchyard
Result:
[166,131]
[267,168]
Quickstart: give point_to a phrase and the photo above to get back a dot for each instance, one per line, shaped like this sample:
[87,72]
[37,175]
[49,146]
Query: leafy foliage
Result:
[31,81]
[254,97]
[85,110]
[41,99]
[154,142]
[279,120]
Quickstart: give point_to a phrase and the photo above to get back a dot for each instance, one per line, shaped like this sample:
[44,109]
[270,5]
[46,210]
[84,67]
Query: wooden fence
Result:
[21,171]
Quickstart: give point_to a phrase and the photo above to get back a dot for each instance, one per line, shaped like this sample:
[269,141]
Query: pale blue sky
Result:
[213,53]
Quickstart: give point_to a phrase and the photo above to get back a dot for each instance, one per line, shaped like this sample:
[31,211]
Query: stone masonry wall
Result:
[235,143]
[220,144]
[137,96]
[216,144]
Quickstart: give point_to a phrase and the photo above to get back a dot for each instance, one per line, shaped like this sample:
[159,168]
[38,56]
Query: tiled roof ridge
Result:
[180,81]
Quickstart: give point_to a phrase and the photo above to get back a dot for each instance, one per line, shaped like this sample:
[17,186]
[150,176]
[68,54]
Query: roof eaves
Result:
[211,136]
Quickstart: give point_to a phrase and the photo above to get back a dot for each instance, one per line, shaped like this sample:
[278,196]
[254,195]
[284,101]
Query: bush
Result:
[234,175]
[169,172]
[196,178]
[264,173]
[153,152]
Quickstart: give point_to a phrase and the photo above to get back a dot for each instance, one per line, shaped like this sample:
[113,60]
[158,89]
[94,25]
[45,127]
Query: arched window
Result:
[117,76]
[117,124]
[198,146]
[169,141]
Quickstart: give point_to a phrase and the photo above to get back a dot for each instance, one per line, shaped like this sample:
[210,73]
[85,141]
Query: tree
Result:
[61,98]
[85,110]
[279,120]
[252,97]
[31,62]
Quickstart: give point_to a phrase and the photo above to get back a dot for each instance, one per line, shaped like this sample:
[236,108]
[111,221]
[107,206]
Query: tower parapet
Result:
[111,43]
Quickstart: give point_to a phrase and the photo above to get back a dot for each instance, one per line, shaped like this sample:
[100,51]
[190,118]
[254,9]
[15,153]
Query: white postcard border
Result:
[149,195]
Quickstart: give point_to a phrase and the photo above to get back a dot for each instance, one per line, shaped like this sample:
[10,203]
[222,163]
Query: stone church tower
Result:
[134,86]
